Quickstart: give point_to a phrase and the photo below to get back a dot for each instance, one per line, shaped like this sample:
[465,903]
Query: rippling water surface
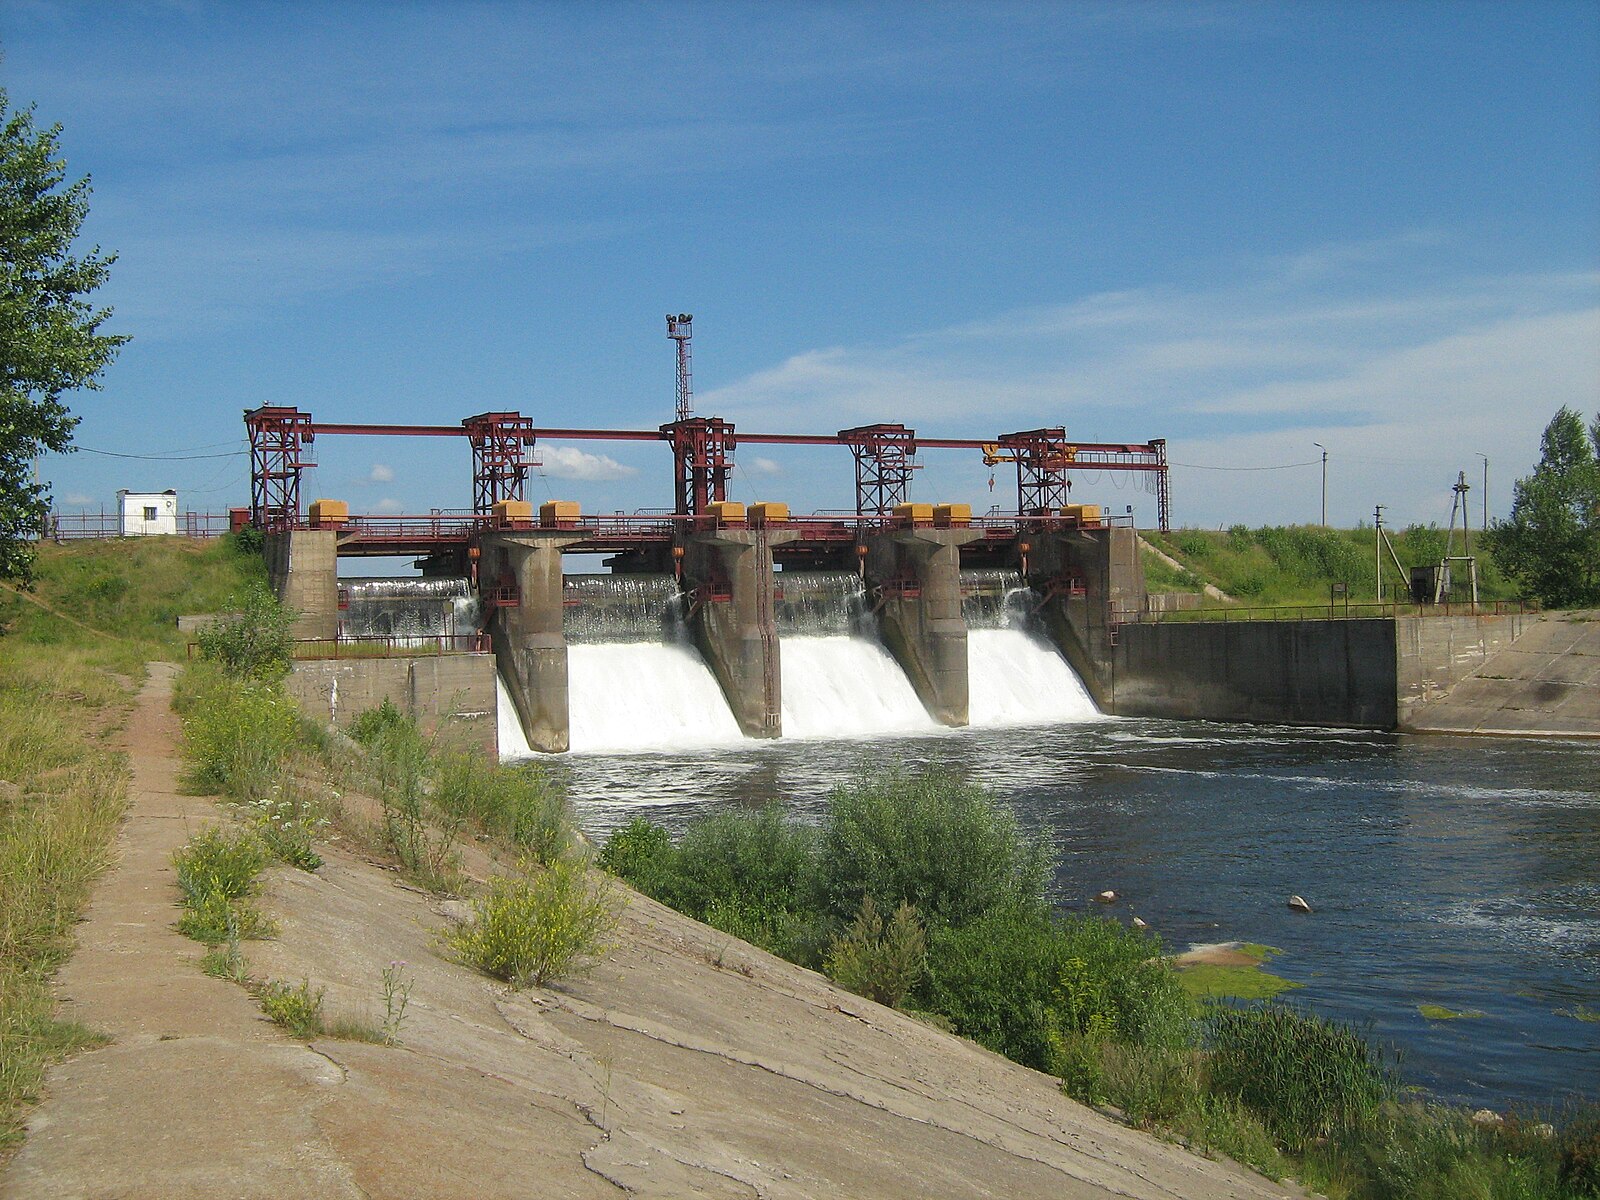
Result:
[1458,872]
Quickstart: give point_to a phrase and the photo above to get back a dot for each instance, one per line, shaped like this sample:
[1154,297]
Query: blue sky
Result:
[1243,227]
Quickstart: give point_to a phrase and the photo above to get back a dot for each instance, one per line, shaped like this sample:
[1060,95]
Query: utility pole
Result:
[1485,458]
[1377,553]
[1324,450]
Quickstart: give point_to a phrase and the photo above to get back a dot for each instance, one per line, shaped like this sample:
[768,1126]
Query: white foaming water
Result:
[1014,678]
[625,697]
[846,687]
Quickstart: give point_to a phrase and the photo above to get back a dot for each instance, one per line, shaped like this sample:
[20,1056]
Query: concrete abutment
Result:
[915,576]
[523,569]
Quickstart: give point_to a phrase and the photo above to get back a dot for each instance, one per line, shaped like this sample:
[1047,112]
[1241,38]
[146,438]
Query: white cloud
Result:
[78,499]
[763,466]
[380,473]
[1405,384]
[568,462]
[388,505]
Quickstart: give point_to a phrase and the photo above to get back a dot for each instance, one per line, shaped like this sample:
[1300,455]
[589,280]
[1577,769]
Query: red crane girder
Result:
[883,455]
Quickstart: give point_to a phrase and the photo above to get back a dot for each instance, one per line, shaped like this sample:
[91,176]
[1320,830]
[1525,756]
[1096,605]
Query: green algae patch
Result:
[1438,1012]
[1580,1012]
[1232,971]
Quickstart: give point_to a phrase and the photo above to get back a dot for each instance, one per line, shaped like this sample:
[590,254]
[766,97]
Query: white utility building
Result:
[146,514]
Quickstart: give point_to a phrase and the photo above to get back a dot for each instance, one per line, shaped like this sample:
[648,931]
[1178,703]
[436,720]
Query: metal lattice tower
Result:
[678,329]
[277,436]
[1042,457]
[883,456]
[702,453]
[500,458]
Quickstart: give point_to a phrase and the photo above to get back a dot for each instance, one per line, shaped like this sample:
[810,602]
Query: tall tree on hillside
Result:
[49,332]
[1551,543]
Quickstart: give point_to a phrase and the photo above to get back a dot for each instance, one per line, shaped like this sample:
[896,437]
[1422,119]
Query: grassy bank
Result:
[1297,564]
[920,892]
[72,655]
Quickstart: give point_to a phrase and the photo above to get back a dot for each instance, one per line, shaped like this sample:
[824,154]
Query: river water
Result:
[1450,871]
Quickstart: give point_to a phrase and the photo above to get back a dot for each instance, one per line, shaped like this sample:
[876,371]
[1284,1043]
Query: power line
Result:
[1280,467]
[160,457]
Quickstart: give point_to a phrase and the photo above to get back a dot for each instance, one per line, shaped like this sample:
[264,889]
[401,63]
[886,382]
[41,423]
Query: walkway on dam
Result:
[1546,682]
[687,1064]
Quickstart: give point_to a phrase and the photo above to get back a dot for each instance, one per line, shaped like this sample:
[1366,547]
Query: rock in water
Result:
[1298,903]
[1140,923]
[1106,897]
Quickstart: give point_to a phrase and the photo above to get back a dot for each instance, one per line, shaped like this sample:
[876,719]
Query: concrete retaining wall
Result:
[1339,673]
[453,695]
[1436,653]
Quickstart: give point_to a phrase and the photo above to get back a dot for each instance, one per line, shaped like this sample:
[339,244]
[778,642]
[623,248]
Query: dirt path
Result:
[687,1064]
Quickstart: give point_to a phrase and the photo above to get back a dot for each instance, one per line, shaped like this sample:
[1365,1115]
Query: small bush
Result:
[254,642]
[881,960]
[789,933]
[516,804]
[217,873]
[237,736]
[929,840]
[1304,1076]
[532,929]
[372,724]
[641,852]
[296,1007]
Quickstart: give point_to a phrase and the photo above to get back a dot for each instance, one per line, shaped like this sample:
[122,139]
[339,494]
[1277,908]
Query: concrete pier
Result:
[529,643]
[915,575]
[1086,578]
[728,572]
[303,568]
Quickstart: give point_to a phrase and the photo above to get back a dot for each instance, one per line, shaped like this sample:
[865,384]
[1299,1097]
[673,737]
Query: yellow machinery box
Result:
[329,514]
[952,516]
[726,512]
[914,513]
[768,512]
[557,514]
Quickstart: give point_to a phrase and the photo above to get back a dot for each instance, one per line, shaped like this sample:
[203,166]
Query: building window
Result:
[149,512]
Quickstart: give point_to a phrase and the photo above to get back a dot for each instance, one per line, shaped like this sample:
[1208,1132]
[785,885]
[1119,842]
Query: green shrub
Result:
[928,840]
[516,804]
[1579,1148]
[1192,544]
[789,933]
[288,819]
[757,859]
[254,642]
[1304,1076]
[881,960]
[237,735]
[294,1006]
[641,852]
[532,929]
[375,722]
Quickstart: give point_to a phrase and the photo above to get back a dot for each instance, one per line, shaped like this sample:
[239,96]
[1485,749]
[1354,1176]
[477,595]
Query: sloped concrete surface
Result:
[686,1064]
[1547,681]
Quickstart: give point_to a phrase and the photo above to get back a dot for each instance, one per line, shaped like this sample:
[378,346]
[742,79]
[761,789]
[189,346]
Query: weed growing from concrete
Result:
[296,1007]
[535,928]
[218,872]
[396,996]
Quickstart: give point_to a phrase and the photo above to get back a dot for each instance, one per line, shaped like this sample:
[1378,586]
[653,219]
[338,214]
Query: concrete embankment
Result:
[687,1064]
[1545,680]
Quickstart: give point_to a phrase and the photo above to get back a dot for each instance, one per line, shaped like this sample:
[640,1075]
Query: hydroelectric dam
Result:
[718,621]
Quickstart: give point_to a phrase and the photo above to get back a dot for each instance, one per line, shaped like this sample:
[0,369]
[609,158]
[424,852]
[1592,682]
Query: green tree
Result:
[1551,543]
[49,332]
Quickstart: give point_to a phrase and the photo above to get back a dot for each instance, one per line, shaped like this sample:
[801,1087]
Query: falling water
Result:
[1014,675]
[838,680]
[413,608]
[621,608]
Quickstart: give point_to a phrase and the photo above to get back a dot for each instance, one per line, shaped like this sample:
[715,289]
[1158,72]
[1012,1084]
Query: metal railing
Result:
[1336,611]
[391,646]
[82,526]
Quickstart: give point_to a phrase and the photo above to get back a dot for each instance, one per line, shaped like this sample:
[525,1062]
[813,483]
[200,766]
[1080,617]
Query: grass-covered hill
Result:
[1297,564]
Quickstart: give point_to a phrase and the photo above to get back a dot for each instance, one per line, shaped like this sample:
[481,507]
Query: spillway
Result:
[410,608]
[1014,675]
[838,680]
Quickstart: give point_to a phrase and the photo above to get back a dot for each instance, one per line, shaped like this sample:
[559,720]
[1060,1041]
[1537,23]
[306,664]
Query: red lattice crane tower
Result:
[883,455]
[277,437]
[501,442]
